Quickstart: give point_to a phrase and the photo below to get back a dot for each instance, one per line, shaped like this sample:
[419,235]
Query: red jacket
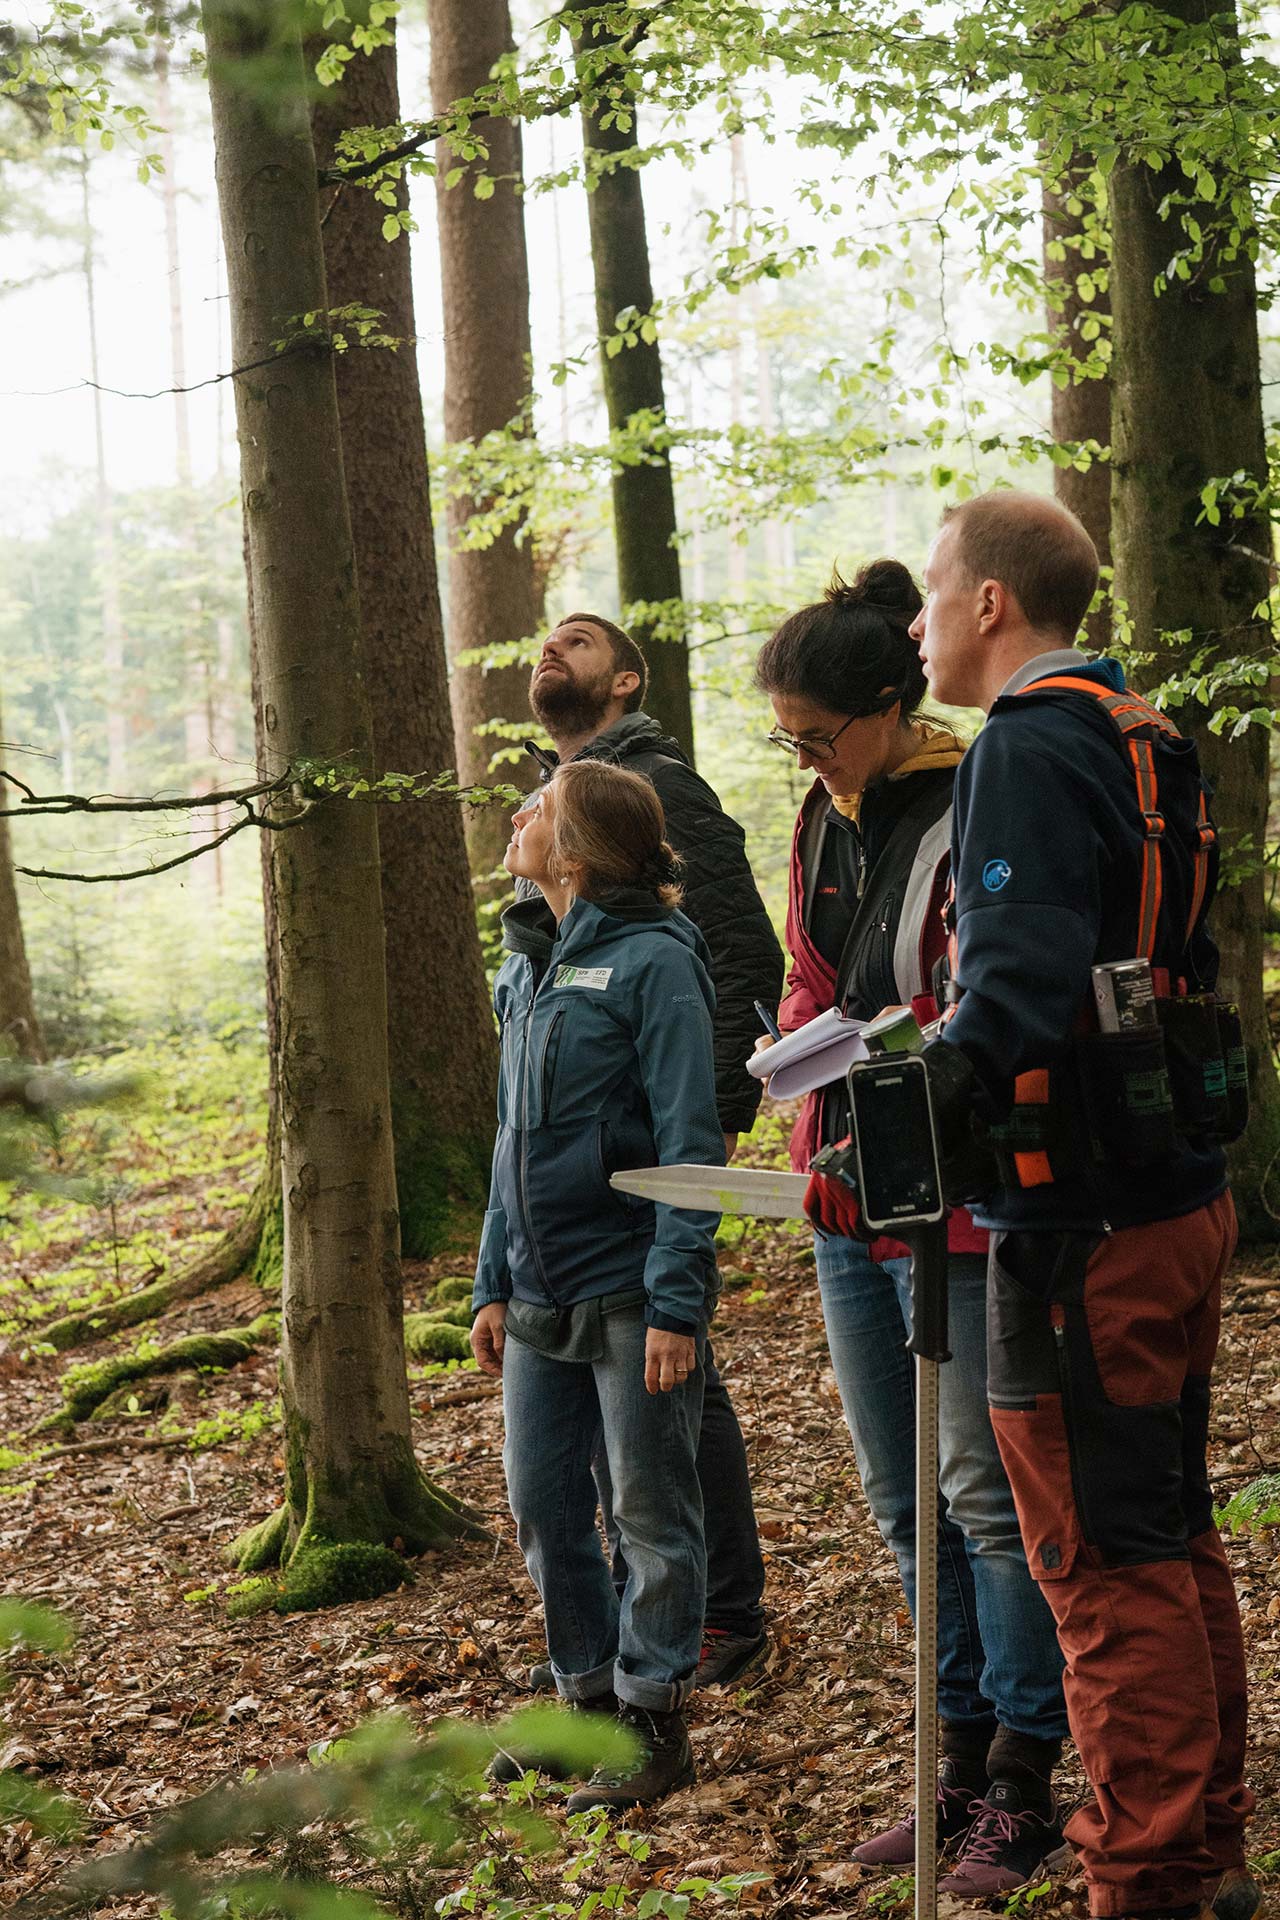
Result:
[810,990]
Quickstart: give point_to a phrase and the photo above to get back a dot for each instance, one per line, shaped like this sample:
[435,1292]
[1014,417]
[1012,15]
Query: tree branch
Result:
[143,873]
[570,96]
[62,803]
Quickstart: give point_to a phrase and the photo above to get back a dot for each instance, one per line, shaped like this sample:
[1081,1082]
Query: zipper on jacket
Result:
[1057,1315]
[522,1158]
[548,1062]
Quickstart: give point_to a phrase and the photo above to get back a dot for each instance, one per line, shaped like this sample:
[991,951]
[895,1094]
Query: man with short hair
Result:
[587,689]
[1109,1242]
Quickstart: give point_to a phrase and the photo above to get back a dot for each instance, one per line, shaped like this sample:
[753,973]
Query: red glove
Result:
[830,1199]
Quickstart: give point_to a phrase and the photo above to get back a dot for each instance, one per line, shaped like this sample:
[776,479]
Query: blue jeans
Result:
[997,1646]
[645,1646]
[735,1567]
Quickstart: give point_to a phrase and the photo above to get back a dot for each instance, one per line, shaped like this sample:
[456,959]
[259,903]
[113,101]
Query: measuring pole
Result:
[928,1342]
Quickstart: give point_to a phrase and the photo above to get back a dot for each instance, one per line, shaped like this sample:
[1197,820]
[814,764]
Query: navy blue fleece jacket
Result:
[1046,850]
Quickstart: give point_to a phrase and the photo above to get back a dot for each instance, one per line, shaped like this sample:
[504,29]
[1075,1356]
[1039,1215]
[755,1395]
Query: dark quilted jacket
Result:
[720,897]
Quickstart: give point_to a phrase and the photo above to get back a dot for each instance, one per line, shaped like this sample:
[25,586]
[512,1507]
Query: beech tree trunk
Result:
[1187,408]
[440,1032]
[644,503]
[484,272]
[1082,410]
[113,642]
[19,1025]
[352,1485]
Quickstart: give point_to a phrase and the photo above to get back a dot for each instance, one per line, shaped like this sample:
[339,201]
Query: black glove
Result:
[966,1162]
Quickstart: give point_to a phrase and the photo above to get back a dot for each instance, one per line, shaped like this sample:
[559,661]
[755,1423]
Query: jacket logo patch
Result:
[597,977]
[995,874]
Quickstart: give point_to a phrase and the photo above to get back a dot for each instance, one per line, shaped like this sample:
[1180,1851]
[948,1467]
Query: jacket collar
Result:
[1057,660]
[633,733]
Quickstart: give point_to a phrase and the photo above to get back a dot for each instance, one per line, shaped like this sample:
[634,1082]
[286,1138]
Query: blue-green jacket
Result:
[607,1062]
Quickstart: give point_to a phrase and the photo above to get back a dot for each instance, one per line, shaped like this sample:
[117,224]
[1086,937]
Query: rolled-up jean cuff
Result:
[657,1696]
[584,1686]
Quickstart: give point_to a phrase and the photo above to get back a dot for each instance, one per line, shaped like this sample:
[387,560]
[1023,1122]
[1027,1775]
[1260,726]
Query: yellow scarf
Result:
[938,747]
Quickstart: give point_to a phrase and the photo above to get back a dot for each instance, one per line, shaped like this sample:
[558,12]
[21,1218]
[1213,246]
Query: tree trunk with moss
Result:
[1187,409]
[644,502]
[484,278]
[440,1032]
[1078,302]
[352,1485]
[19,1023]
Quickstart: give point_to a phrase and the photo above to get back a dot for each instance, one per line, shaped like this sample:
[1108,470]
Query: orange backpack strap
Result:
[1131,715]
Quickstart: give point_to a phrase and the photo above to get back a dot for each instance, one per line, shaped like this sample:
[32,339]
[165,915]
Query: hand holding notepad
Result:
[815,1054]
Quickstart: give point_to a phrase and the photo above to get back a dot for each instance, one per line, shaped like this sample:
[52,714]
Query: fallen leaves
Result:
[158,1698]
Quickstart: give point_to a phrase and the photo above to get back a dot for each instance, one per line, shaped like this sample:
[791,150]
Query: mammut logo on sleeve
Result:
[995,874]
[597,977]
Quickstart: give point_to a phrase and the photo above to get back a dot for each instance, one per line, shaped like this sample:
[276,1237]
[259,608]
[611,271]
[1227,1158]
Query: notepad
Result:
[815,1054]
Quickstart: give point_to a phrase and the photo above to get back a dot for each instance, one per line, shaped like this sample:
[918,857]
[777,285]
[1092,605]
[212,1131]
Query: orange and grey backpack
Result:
[1128,1098]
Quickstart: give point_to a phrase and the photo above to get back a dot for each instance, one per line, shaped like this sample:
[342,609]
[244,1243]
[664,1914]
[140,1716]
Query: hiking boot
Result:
[1007,1846]
[957,1808]
[542,1678]
[512,1763]
[1233,1895]
[663,1765]
[727,1656]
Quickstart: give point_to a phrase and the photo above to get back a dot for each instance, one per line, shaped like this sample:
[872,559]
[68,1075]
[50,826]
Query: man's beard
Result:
[564,707]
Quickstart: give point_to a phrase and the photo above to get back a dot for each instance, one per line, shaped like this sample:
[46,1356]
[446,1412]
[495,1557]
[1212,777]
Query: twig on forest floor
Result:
[121,1443]
[802,1750]
[437,1402]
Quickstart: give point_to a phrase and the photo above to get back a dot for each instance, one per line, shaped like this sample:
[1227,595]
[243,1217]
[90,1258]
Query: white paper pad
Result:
[813,1056]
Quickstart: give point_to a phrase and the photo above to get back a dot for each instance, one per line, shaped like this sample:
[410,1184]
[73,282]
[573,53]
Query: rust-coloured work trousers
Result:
[1099,1351]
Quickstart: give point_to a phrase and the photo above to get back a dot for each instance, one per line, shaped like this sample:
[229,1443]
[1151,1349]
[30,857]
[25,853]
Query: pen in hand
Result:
[767,1021]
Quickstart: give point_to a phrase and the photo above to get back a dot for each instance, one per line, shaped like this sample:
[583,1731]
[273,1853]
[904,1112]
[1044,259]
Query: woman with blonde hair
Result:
[591,1305]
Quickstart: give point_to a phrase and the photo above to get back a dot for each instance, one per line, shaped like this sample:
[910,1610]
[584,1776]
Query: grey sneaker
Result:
[726,1657]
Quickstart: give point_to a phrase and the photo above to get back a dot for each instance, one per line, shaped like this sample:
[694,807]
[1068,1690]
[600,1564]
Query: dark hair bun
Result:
[885,585]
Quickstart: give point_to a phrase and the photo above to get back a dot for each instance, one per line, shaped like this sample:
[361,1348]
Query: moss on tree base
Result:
[399,1513]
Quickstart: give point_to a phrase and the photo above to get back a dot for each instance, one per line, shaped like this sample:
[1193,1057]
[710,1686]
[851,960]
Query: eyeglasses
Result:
[819,746]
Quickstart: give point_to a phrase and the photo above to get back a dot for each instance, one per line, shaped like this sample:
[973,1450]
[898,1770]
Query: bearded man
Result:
[587,690]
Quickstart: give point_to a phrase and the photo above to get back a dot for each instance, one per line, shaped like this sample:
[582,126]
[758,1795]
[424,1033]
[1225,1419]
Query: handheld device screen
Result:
[897,1154]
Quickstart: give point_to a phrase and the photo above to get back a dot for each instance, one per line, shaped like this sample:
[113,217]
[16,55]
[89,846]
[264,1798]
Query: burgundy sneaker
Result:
[957,1808]
[1008,1846]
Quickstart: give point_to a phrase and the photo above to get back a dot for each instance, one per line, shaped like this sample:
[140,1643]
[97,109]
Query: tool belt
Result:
[1128,1099]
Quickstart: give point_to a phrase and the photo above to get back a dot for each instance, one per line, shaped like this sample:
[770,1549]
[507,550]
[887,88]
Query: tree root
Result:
[88,1386]
[225,1261]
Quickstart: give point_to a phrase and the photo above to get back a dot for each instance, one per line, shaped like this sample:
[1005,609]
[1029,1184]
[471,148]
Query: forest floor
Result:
[162,1695]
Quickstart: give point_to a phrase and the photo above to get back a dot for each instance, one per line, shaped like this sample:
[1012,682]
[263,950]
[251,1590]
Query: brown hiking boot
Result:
[664,1764]
[512,1763]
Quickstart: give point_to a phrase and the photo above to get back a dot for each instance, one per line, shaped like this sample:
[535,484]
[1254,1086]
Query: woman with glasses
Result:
[864,926]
